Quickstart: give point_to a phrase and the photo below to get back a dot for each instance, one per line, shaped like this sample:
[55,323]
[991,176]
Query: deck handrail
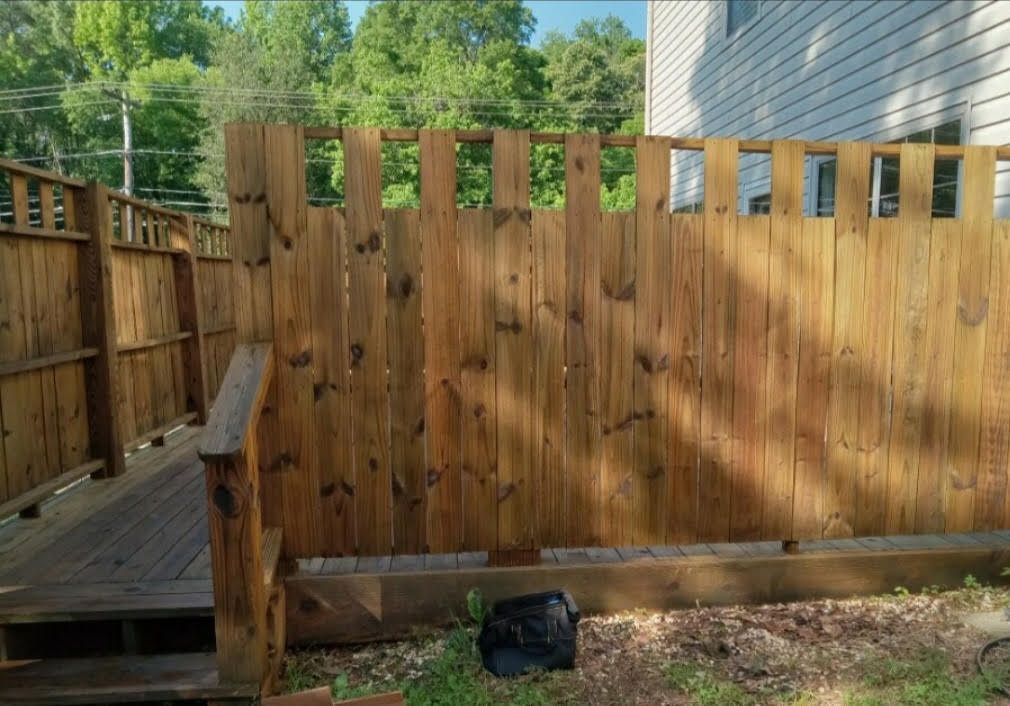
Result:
[239,403]
[228,448]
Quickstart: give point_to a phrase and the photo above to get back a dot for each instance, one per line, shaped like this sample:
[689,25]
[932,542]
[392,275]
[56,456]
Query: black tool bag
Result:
[533,631]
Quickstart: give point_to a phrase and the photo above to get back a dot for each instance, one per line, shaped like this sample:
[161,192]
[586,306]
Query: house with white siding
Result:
[830,70]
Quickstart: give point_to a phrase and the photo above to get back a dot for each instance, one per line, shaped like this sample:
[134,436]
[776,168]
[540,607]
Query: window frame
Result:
[736,32]
[877,169]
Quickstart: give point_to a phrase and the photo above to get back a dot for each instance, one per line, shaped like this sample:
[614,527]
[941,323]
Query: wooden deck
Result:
[148,525]
[136,548]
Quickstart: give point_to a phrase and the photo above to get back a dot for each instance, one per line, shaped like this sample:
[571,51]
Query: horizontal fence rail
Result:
[509,378]
[101,337]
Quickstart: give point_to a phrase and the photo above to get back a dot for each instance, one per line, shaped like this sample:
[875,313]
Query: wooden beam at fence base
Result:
[357,607]
[150,436]
[39,493]
[99,327]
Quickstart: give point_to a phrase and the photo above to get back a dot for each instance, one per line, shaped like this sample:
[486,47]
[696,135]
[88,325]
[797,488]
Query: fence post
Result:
[98,325]
[187,292]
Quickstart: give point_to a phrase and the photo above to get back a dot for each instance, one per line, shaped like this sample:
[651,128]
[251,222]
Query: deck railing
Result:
[116,324]
[243,557]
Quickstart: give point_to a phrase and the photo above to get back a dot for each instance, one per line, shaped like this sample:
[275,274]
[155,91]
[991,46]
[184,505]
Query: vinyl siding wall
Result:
[833,70]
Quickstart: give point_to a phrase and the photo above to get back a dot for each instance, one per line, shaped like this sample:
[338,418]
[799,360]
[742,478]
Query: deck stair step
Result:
[116,680]
[105,601]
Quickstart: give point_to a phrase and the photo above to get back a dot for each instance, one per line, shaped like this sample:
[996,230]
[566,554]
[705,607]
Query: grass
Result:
[927,679]
[454,678]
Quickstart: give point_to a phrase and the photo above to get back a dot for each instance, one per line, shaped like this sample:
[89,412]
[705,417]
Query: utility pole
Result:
[127,231]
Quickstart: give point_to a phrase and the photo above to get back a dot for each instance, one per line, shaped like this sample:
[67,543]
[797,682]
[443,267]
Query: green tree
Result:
[264,70]
[36,50]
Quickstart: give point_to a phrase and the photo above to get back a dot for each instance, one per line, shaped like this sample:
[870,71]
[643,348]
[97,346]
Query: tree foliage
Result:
[187,71]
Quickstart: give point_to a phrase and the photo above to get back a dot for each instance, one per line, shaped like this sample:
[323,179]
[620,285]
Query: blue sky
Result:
[551,14]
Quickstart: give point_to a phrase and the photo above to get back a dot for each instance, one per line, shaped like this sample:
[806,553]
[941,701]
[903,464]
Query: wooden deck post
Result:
[228,448]
[98,324]
[187,292]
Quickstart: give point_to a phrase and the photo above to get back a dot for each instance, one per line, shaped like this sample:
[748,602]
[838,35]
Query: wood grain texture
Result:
[687,236]
[406,379]
[970,336]
[815,306]
[548,430]
[783,343]
[327,240]
[652,340]
[915,199]
[440,304]
[750,390]
[851,224]
[367,334]
[941,316]
[477,378]
[875,388]
[296,456]
[517,526]
[994,420]
[718,324]
[613,501]
[582,339]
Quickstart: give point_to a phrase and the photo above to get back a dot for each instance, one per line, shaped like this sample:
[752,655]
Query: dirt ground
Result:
[900,649]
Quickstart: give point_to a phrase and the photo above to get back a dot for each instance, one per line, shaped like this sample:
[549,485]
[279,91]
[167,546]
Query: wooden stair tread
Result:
[273,537]
[105,601]
[188,676]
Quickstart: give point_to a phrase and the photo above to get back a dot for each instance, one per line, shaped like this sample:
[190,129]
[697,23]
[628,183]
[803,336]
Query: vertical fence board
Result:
[783,343]
[941,308]
[582,260]
[687,246]
[513,340]
[994,420]
[477,378]
[750,362]
[548,432]
[440,304]
[367,330]
[297,459]
[406,378]
[245,152]
[616,370]
[915,198]
[875,390]
[970,335]
[332,378]
[816,275]
[652,340]
[852,188]
[718,323]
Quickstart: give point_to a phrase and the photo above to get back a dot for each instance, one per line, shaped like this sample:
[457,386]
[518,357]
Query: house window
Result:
[825,205]
[883,202]
[760,205]
[740,13]
[696,207]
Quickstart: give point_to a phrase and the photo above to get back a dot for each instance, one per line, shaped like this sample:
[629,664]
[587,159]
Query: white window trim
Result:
[739,31]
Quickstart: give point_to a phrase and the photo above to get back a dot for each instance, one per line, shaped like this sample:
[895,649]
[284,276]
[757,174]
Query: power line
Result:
[310,96]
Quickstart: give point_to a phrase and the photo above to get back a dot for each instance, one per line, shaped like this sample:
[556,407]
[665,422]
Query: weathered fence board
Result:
[514,378]
[99,330]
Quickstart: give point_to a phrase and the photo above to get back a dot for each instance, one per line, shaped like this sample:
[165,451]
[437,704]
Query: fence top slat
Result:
[40,174]
[146,205]
[697,144]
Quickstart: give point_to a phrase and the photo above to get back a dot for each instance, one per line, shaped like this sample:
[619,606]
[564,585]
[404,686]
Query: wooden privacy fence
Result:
[465,379]
[115,324]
